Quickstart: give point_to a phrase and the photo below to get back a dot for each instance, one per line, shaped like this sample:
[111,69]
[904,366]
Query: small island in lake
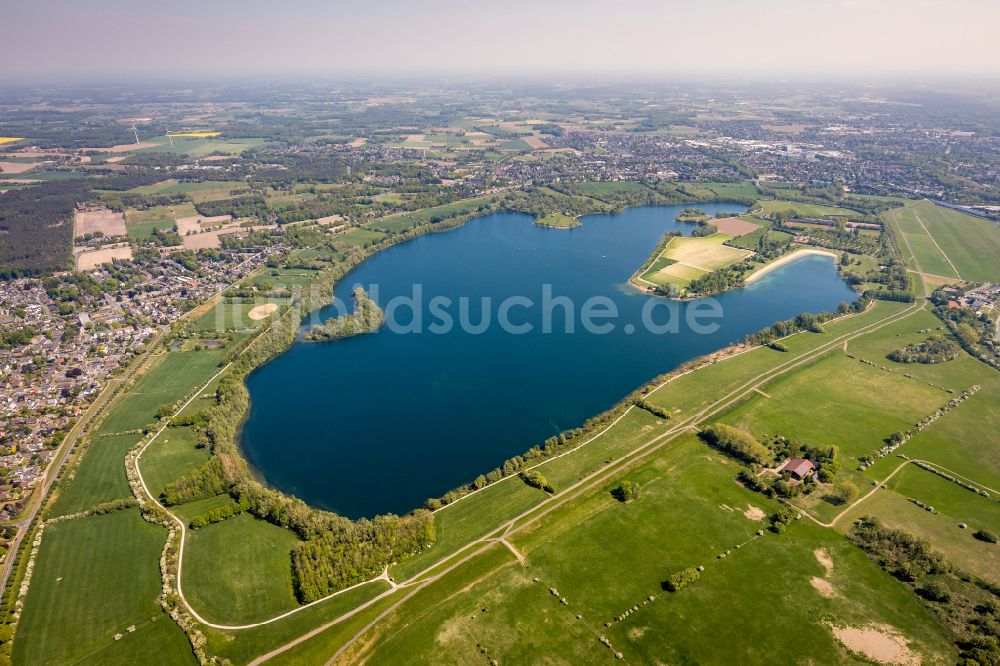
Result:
[558,221]
[366,318]
[692,215]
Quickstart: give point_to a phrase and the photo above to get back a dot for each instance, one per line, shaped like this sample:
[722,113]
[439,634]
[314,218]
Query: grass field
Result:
[599,189]
[229,316]
[403,221]
[946,242]
[769,206]
[172,376]
[690,258]
[239,570]
[94,578]
[201,147]
[172,454]
[141,223]
[689,511]
[361,237]
[953,505]
[744,190]
[100,476]
[209,190]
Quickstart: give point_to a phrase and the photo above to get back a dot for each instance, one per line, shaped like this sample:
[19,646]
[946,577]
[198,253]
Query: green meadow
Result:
[99,576]
[771,206]
[605,557]
[946,242]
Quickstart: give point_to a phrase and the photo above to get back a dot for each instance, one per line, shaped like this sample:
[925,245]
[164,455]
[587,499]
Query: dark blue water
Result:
[378,423]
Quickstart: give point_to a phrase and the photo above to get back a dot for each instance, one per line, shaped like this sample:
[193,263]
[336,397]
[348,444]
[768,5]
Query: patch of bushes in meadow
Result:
[678,581]
[935,349]
[216,516]
[626,491]
[535,479]
[967,606]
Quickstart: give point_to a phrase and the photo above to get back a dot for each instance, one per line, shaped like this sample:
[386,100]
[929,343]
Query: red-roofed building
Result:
[799,468]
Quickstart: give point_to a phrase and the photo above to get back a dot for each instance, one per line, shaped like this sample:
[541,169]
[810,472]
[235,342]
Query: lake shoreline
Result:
[785,259]
[335,440]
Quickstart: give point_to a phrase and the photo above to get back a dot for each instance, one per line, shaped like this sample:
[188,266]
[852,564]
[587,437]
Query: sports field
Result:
[947,243]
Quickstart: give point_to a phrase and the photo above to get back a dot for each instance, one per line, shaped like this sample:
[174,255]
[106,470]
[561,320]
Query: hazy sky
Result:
[840,37]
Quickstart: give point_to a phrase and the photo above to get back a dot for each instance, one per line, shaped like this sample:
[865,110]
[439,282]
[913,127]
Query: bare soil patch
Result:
[17,167]
[734,226]
[823,586]
[106,221]
[880,643]
[823,557]
[198,223]
[754,513]
[262,311]
[93,258]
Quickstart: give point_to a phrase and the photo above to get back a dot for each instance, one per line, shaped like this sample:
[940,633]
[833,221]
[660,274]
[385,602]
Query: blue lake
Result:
[380,422]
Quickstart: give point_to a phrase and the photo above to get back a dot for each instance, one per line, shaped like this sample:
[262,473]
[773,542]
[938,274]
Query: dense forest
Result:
[36,228]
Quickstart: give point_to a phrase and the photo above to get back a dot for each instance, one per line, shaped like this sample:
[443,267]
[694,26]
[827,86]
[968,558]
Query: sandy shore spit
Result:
[787,259]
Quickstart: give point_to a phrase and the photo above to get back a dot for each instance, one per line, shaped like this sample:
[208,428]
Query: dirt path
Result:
[517,553]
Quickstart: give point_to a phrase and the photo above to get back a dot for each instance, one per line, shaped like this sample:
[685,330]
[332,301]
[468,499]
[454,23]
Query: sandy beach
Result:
[787,259]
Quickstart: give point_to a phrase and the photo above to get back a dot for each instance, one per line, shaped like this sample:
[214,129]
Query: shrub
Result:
[536,480]
[626,491]
[844,492]
[934,590]
[738,443]
[681,579]
[985,535]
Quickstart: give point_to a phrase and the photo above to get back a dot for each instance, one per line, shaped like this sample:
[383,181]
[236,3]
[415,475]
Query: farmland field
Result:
[142,223]
[100,476]
[99,575]
[171,377]
[692,257]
